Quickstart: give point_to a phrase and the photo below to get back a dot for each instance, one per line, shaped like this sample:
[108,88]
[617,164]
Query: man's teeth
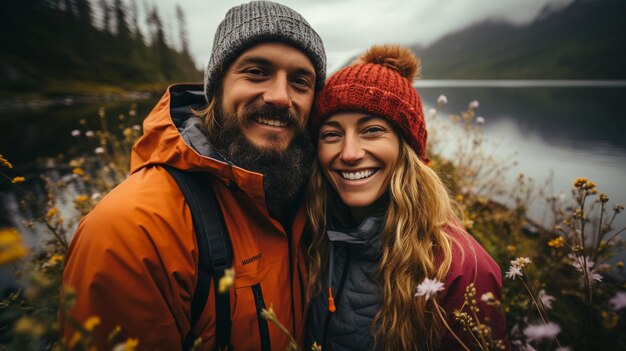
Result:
[357,175]
[271,122]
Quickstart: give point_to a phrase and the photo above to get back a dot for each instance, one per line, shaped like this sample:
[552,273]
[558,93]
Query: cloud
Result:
[350,26]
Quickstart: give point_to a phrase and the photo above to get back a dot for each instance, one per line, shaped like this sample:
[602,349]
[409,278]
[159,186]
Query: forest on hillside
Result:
[56,47]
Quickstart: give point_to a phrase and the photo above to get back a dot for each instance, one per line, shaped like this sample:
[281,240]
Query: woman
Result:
[382,222]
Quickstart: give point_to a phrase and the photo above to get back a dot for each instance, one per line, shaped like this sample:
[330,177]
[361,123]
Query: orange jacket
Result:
[133,259]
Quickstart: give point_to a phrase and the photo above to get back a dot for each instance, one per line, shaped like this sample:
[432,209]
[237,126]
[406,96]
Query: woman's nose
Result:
[352,151]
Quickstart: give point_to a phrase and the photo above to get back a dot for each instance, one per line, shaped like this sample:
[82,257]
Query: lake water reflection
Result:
[567,131]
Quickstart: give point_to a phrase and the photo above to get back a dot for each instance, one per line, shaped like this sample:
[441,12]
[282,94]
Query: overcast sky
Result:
[348,27]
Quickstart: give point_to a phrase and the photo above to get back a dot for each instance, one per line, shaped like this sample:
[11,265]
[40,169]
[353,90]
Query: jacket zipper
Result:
[264,331]
[329,314]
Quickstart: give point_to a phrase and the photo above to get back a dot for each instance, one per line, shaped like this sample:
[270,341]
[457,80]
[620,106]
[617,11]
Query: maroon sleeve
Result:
[472,264]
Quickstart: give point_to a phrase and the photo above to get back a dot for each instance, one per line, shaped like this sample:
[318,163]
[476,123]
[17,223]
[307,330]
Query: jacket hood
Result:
[172,137]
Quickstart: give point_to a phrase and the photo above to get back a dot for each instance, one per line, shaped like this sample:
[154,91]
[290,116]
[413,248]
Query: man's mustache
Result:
[263,110]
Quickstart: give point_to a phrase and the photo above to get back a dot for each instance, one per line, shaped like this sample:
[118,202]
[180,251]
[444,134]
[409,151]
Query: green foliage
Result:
[46,44]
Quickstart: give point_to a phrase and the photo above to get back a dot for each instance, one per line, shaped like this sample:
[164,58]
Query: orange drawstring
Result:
[331,301]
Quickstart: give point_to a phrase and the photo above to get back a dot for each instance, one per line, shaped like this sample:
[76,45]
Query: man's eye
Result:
[256,72]
[303,82]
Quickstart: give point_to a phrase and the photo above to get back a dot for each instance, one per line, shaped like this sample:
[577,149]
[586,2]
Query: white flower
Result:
[577,262]
[514,271]
[428,288]
[96,196]
[442,100]
[99,150]
[474,105]
[541,331]
[480,120]
[76,133]
[546,299]
[137,127]
[89,133]
[432,112]
[618,301]
[521,261]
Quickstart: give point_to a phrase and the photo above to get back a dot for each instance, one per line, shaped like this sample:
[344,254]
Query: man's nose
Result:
[277,93]
[352,151]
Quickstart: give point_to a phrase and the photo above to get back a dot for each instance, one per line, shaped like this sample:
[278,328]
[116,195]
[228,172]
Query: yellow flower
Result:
[53,211]
[16,180]
[11,246]
[580,183]
[511,249]
[78,171]
[620,265]
[91,323]
[556,242]
[4,162]
[81,198]
[131,344]
[459,197]
[227,280]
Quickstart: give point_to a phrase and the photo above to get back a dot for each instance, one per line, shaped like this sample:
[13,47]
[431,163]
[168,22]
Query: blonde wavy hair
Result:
[414,246]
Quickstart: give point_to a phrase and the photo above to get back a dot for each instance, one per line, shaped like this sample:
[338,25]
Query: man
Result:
[134,259]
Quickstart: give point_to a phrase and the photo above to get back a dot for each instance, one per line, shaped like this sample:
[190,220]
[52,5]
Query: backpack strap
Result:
[214,252]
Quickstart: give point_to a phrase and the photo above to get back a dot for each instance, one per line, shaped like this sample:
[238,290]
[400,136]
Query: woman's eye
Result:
[329,135]
[373,130]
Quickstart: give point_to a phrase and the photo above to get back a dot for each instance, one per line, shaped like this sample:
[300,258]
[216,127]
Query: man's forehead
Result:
[276,52]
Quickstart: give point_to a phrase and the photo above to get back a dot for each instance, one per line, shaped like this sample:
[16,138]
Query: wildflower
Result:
[91,323]
[580,183]
[137,127]
[76,133]
[514,271]
[432,112]
[96,196]
[316,347]
[618,208]
[53,261]
[127,132]
[620,265]
[577,263]
[4,162]
[81,198]
[99,150]
[511,249]
[546,299]
[428,288]
[11,246]
[556,242]
[541,331]
[101,112]
[489,299]
[610,319]
[74,340]
[78,171]
[90,134]
[227,280]
[442,100]
[521,261]
[480,120]
[129,345]
[473,105]
[53,211]
[604,198]
[618,301]
[17,180]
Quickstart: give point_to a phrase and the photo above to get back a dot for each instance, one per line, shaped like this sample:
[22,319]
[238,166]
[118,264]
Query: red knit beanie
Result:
[379,83]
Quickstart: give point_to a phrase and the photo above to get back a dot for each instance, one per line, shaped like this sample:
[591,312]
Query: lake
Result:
[567,129]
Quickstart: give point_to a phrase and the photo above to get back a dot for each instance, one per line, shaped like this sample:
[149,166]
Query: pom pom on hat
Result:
[395,57]
[380,83]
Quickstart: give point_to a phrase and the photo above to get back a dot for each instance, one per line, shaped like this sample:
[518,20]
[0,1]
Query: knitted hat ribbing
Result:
[379,84]
[261,21]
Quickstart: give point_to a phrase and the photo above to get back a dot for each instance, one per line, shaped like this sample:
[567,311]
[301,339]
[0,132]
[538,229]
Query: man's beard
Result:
[285,172]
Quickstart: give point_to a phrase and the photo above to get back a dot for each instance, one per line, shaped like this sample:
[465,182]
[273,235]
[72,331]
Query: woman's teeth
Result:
[357,175]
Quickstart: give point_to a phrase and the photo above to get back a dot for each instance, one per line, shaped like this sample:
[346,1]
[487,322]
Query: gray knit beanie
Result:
[256,22]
